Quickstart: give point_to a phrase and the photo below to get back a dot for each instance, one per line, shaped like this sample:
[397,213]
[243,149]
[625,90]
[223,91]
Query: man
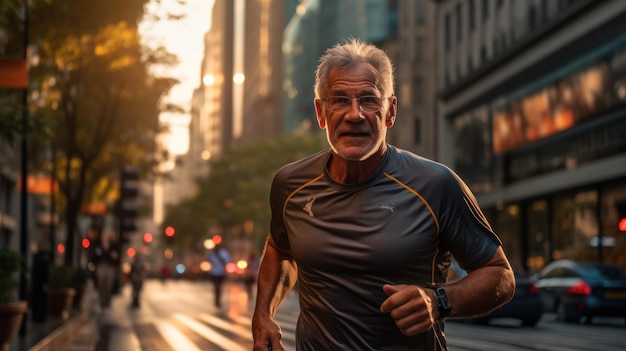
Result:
[137,274]
[218,258]
[106,256]
[369,230]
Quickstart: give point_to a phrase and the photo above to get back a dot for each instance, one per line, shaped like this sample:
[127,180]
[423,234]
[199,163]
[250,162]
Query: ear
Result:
[318,112]
[390,119]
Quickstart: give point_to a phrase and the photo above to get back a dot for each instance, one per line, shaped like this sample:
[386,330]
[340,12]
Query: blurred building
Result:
[415,57]
[316,26]
[239,98]
[532,114]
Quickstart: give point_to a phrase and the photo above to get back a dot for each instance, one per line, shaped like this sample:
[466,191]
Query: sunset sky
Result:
[184,38]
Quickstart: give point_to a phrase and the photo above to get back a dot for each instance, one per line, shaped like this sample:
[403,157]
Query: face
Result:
[353,134]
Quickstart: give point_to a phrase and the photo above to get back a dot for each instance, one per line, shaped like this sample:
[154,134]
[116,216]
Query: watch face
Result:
[443,297]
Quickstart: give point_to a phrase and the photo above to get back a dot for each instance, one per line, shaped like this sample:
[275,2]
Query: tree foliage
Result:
[90,77]
[234,198]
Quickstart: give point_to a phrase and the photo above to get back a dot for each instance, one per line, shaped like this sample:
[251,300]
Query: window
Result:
[532,18]
[418,89]
[418,49]
[459,23]
[417,130]
[447,33]
[574,226]
[472,15]
[485,9]
[404,10]
[483,54]
[544,11]
[420,11]
[537,235]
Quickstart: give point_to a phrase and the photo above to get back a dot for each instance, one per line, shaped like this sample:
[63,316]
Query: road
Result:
[180,315]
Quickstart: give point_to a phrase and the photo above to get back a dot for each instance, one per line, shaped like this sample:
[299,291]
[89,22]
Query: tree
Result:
[90,75]
[234,198]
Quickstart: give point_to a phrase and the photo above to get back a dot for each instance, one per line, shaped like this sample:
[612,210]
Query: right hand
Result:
[267,335]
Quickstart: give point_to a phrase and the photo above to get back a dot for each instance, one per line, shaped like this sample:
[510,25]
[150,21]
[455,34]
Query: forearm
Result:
[484,289]
[277,276]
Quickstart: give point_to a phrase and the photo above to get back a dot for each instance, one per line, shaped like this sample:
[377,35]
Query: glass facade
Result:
[567,119]
[574,116]
[580,224]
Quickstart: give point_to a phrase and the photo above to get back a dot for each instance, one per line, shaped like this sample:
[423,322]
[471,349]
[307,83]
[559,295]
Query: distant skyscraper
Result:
[316,26]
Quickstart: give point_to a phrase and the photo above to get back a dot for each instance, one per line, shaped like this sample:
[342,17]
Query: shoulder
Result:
[313,164]
[293,175]
[411,168]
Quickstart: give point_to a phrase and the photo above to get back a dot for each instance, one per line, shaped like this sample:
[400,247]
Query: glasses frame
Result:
[358,101]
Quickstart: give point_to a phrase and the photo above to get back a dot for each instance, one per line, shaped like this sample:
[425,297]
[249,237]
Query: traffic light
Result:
[169,234]
[147,238]
[127,207]
[86,243]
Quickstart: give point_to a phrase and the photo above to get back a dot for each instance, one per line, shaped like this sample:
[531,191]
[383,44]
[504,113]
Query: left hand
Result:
[411,307]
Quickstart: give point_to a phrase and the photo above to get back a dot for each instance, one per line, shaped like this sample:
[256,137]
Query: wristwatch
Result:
[443,303]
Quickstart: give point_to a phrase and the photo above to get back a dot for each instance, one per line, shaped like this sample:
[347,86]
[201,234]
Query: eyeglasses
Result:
[367,103]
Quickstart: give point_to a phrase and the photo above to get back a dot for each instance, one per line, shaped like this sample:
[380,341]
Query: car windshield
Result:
[600,272]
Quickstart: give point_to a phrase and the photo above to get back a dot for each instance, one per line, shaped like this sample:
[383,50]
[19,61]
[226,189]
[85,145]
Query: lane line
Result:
[209,334]
[175,337]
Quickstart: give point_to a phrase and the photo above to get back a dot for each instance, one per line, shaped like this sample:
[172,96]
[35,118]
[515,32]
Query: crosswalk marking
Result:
[174,337]
[209,334]
[220,323]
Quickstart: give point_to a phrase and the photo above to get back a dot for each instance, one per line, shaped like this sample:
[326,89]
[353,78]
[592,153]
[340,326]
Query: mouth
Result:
[354,134]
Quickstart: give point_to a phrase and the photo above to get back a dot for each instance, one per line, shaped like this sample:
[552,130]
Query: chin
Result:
[354,153]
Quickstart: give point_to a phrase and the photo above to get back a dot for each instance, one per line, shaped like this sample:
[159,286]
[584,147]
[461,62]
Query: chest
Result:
[384,228]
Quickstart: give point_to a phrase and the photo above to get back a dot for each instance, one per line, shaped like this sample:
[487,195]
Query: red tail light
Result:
[533,289]
[581,288]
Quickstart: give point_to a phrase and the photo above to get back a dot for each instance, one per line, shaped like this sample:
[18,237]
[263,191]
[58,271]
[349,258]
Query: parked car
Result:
[576,290]
[525,305]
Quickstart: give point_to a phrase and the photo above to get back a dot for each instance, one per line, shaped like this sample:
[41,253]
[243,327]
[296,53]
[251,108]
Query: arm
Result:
[414,308]
[277,276]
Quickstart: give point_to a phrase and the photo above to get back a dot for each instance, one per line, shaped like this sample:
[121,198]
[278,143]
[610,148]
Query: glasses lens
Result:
[369,103]
[340,103]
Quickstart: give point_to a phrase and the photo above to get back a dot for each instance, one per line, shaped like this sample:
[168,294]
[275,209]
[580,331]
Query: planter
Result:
[11,316]
[60,302]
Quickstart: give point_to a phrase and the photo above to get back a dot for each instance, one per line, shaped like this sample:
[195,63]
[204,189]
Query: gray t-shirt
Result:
[398,227]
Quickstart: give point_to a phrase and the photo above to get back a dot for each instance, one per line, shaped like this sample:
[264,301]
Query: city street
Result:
[180,315]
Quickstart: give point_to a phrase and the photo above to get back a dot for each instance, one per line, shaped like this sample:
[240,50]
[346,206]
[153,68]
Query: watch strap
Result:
[441,298]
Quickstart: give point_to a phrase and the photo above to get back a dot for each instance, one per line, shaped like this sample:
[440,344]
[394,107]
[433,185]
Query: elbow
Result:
[507,285]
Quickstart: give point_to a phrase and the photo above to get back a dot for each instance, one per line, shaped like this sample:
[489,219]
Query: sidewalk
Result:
[77,333]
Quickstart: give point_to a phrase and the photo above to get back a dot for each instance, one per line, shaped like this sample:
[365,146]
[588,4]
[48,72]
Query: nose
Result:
[355,113]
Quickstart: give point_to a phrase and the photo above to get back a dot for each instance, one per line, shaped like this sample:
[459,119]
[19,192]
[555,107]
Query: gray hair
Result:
[352,53]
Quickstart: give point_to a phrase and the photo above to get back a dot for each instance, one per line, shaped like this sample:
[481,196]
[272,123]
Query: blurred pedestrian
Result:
[165,273]
[106,257]
[251,272]
[369,230]
[137,275]
[219,258]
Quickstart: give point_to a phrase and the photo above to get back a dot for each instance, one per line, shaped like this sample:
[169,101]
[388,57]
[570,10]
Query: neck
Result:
[352,172]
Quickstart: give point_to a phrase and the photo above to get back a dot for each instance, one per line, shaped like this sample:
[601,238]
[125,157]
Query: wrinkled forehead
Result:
[360,76]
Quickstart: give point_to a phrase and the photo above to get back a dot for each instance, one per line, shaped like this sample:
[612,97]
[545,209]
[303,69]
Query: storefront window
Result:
[575,227]
[613,208]
[537,236]
[472,155]
[506,223]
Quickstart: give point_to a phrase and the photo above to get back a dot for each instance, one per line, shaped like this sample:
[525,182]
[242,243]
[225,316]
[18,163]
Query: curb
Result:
[61,337]
[79,333]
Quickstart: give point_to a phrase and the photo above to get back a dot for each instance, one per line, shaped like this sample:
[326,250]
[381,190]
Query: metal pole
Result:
[24,178]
